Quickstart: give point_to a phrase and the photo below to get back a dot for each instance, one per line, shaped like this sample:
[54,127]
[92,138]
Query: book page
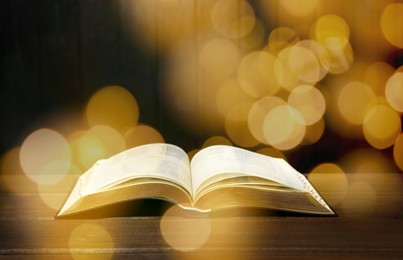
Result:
[228,161]
[162,161]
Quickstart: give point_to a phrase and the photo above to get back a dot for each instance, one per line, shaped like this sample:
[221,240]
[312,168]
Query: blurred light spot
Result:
[45,148]
[258,112]
[398,152]
[282,128]
[330,178]
[321,54]
[239,133]
[230,94]
[284,73]
[304,64]
[314,132]
[332,31]
[233,19]
[272,152]
[236,125]
[85,236]
[98,142]
[392,24]
[394,91]
[376,76]
[216,140]
[12,176]
[255,38]
[340,60]
[111,139]
[360,199]
[219,58]
[354,101]
[300,8]
[47,191]
[281,38]
[184,233]
[113,106]
[255,74]
[240,111]
[309,101]
[381,126]
[142,134]
[367,161]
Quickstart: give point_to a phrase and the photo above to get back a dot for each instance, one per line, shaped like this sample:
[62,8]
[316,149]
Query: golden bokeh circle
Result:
[392,24]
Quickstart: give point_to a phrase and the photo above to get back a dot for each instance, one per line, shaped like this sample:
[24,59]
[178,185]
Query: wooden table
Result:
[369,225]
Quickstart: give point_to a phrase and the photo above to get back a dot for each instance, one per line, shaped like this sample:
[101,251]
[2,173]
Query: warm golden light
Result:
[354,101]
[392,24]
[184,233]
[94,236]
[46,191]
[354,202]
[284,73]
[304,64]
[273,152]
[376,76]
[42,150]
[398,151]
[113,106]
[394,91]
[239,133]
[13,178]
[233,19]
[142,134]
[258,112]
[332,31]
[299,8]
[219,58]
[281,38]
[382,125]
[309,102]
[254,38]
[367,161]
[256,74]
[229,95]
[314,132]
[331,178]
[216,140]
[282,128]
[98,142]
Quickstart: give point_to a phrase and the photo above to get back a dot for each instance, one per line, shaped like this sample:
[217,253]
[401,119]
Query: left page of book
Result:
[160,161]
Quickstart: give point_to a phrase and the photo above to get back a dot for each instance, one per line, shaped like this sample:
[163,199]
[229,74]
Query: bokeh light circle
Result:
[233,19]
[398,152]
[354,101]
[113,106]
[381,126]
[394,91]
[42,148]
[392,24]
[282,129]
[184,233]
[309,101]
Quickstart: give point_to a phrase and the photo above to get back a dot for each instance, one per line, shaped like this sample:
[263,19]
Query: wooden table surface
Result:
[369,225]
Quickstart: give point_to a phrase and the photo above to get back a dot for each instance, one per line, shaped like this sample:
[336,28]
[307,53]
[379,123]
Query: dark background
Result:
[56,54]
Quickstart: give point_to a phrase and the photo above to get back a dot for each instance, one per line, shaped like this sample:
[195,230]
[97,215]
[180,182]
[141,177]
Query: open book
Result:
[217,177]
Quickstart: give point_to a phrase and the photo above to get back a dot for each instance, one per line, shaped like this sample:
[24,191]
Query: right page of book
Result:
[220,162]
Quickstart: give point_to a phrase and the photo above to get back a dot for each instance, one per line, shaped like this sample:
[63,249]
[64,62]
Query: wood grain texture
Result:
[28,230]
